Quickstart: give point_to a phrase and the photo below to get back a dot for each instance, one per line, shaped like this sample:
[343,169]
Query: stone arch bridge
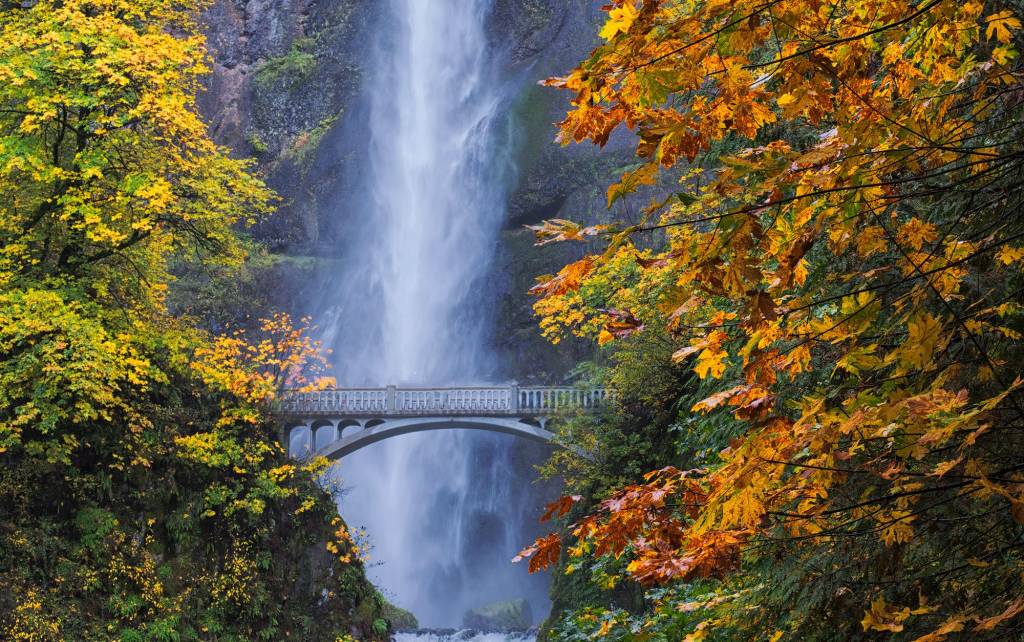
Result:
[334,423]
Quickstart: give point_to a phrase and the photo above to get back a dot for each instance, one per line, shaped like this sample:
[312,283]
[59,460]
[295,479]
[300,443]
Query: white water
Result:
[464,636]
[442,509]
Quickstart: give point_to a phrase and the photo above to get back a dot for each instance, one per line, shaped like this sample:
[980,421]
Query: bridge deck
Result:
[394,401]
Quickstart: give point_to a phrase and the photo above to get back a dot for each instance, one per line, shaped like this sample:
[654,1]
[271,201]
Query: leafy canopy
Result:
[144,494]
[840,265]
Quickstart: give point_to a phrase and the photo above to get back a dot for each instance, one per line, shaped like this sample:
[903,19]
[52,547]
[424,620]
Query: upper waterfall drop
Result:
[437,189]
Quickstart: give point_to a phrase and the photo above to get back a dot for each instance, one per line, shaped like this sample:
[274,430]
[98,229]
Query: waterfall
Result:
[411,306]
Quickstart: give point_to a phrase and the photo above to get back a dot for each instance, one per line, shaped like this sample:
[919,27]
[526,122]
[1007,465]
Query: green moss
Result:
[258,145]
[294,67]
[399,618]
[307,142]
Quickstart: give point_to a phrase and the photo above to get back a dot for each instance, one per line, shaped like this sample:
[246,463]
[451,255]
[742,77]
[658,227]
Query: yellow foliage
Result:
[833,280]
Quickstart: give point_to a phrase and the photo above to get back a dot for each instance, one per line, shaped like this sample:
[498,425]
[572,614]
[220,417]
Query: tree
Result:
[143,491]
[106,170]
[841,268]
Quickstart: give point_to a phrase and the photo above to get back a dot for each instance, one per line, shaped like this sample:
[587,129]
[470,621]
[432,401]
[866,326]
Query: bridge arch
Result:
[377,430]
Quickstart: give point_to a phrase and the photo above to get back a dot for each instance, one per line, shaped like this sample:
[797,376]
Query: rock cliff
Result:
[285,90]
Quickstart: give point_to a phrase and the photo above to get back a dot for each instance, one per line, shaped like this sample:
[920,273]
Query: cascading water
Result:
[442,509]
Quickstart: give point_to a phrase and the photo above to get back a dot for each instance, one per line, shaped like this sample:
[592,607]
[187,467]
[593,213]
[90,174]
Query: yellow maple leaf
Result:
[952,625]
[1014,609]
[1008,255]
[884,617]
[1001,25]
[917,232]
[1003,55]
[923,341]
[871,240]
[711,361]
[619,20]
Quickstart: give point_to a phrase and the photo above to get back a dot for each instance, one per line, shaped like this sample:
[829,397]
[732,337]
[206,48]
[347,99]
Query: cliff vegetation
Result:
[143,491]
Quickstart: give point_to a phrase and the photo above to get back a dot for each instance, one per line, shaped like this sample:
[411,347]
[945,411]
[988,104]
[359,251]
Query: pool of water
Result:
[465,636]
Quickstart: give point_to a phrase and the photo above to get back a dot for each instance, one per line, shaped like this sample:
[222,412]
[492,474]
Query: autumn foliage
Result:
[144,494]
[836,252]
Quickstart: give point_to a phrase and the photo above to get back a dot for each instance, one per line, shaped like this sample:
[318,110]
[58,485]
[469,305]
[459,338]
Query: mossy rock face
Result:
[399,618]
[512,615]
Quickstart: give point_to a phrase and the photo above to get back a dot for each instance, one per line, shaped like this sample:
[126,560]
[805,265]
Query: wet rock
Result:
[511,615]
[399,618]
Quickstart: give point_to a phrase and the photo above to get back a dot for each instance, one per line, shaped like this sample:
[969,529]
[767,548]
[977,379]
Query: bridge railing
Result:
[554,399]
[396,401]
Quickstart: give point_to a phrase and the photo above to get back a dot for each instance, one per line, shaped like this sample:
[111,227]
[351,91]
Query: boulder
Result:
[399,618]
[500,616]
